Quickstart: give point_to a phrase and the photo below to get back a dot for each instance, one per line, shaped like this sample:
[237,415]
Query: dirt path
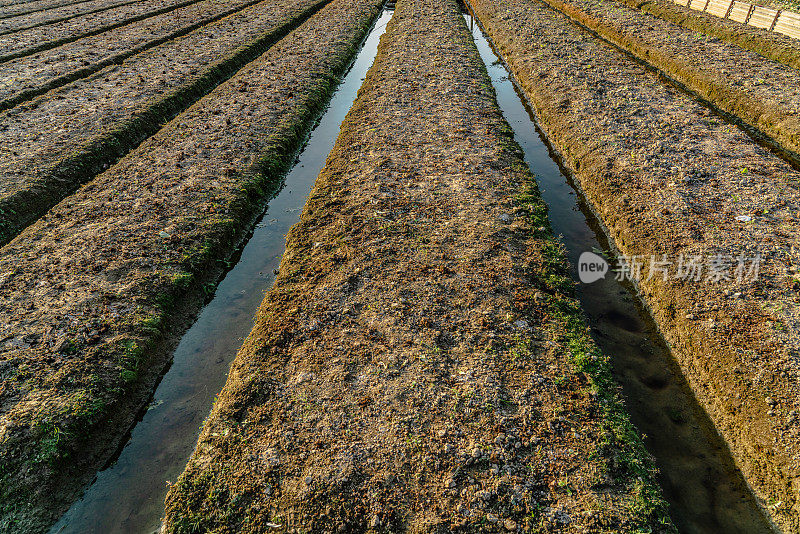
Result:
[666,176]
[94,296]
[762,93]
[420,364]
[60,140]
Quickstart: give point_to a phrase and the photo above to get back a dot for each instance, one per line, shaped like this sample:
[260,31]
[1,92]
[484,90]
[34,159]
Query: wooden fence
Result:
[777,20]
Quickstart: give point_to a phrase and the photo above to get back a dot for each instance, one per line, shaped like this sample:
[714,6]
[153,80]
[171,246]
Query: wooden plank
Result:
[740,11]
[763,17]
[788,24]
[719,7]
[785,22]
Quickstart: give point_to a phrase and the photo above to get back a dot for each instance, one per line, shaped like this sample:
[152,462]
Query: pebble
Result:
[477,453]
[491,518]
[510,524]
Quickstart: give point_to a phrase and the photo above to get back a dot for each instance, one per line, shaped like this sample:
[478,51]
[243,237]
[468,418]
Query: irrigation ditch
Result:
[706,492]
[673,183]
[420,363]
[128,496]
[141,219]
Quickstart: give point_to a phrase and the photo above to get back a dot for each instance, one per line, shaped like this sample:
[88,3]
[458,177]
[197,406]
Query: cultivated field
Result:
[422,361]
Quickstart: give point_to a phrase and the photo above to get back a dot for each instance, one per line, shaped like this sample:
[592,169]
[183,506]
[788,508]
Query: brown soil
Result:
[762,93]
[769,44]
[22,79]
[94,295]
[32,17]
[32,40]
[667,176]
[419,364]
[56,142]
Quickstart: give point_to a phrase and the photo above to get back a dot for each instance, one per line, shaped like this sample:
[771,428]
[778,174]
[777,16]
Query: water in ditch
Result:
[128,497]
[706,493]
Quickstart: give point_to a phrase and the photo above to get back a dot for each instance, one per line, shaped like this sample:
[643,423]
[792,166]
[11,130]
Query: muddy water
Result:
[129,496]
[707,494]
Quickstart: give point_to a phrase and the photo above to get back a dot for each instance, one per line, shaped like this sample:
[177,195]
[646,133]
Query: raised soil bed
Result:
[420,364]
[94,297]
[25,78]
[772,45]
[32,40]
[37,17]
[762,93]
[62,139]
[668,177]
